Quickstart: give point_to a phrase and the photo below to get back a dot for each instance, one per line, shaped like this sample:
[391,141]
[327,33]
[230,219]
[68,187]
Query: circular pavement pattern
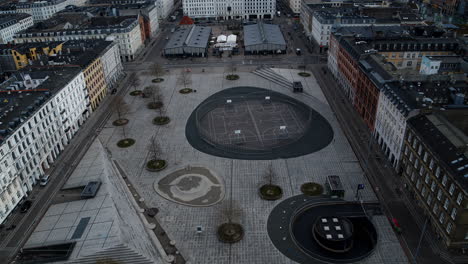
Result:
[290,228]
[256,124]
[192,186]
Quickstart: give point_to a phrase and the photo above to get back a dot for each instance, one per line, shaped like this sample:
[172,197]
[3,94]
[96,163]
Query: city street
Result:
[383,179]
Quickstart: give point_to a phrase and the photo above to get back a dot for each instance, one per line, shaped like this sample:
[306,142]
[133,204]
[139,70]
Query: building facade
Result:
[229,9]
[435,172]
[45,112]
[12,24]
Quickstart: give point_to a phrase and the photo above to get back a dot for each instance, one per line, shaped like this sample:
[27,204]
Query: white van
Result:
[44,180]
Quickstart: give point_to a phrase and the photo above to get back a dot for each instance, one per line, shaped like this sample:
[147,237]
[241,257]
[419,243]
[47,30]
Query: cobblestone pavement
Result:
[241,177]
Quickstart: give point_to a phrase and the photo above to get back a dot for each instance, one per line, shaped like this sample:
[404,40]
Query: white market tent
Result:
[232,39]
[221,38]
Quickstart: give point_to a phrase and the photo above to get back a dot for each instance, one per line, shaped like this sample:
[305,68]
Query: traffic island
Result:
[232,77]
[157,80]
[270,192]
[120,122]
[311,189]
[185,91]
[304,74]
[125,143]
[155,105]
[161,120]
[156,165]
[230,233]
[135,93]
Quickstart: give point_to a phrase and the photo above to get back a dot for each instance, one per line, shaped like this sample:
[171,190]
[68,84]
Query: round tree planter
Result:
[135,93]
[155,105]
[232,77]
[120,122]
[185,91]
[156,165]
[161,120]
[157,80]
[230,233]
[304,74]
[270,192]
[311,189]
[125,143]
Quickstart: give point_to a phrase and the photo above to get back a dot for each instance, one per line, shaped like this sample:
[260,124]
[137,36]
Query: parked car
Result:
[114,91]
[44,180]
[25,206]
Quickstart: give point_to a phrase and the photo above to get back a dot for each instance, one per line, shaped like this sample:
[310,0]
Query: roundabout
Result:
[256,124]
[192,186]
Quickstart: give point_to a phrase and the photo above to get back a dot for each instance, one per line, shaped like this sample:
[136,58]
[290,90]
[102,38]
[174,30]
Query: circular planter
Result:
[230,232]
[125,143]
[304,74]
[311,189]
[185,91]
[232,77]
[157,80]
[161,120]
[135,93]
[120,122]
[155,105]
[270,192]
[156,165]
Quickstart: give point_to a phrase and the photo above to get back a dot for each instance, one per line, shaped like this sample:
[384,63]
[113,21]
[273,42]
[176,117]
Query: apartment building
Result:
[39,10]
[17,56]
[435,172]
[12,24]
[229,9]
[124,30]
[40,113]
[295,6]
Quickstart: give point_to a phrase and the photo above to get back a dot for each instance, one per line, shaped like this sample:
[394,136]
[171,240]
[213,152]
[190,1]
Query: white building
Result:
[112,65]
[125,30]
[229,9]
[295,6]
[35,127]
[390,122]
[164,8]
[12,24]
[40,10]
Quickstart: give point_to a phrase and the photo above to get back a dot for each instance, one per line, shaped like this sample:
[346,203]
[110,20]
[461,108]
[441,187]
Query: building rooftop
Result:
[7,20]
[81,53]
[17,103]
[440,132]
[191,36]
[25,47]
[262,33]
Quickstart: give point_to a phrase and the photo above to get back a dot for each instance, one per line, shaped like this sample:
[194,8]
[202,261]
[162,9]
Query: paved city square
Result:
[241,177]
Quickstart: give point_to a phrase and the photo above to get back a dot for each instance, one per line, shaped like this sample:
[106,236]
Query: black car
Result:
[113,91]
[25,206]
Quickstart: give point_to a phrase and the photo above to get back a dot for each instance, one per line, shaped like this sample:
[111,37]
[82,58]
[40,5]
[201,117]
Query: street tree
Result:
[134,81]
[121,108]
[185,78]
[156,70]
[154,149]
[270,175]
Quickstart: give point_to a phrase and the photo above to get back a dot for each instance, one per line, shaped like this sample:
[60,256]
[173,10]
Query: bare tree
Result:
[154,149]
[156,70]
[231,211]
[232,68]
[156,96]
[270,175]
[185,78]
[121,108]
[134,81]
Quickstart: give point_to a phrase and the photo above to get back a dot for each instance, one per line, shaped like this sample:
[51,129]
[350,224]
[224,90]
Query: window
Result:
[442,217]
[420,150]
[413,176]
[433,185]
[429,199]
[425,156]
[449,228]
[454,213]
[424,191]
[436,208]
[459,198]
[418,184]
[426,180]
[431,164]
[446,204]
[439,195]
[452,189]
[437,172]
[444,180]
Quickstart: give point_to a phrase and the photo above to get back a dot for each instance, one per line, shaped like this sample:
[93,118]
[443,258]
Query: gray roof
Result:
[193,36]
[263,34]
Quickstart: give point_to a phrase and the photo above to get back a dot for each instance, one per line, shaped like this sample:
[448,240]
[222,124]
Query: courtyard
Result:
[183,212]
